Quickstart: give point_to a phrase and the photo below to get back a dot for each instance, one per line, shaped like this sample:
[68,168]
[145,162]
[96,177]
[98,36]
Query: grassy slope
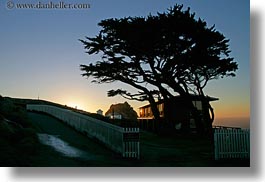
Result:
[48,157]
[19,146]
[18,139]
[156,151]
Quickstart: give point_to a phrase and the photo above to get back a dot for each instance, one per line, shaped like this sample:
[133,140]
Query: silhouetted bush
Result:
[5,130]
[28,143]
[14,113]
[18,139]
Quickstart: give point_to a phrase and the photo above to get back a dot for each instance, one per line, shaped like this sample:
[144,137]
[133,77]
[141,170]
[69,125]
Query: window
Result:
[197,104]
[149,111]
[160,107]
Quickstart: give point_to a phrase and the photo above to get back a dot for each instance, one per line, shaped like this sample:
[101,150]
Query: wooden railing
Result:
[121,140]
[231,143]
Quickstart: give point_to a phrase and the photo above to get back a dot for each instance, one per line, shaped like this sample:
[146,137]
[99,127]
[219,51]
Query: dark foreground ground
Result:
[156,151]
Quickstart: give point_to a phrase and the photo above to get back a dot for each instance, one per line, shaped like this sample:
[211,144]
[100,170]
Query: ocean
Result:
[239,122]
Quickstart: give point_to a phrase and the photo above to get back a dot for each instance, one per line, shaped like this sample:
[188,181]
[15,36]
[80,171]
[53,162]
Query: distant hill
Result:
[123,109]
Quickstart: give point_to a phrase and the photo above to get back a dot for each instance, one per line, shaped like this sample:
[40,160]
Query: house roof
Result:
[194,98]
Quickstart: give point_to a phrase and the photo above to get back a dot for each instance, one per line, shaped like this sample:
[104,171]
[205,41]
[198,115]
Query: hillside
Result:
[21,103]
[18,138]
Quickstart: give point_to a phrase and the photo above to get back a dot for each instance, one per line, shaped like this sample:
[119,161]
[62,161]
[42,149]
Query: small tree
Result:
[161,56]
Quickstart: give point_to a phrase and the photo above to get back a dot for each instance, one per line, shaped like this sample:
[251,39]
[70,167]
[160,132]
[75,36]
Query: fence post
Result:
[216,155]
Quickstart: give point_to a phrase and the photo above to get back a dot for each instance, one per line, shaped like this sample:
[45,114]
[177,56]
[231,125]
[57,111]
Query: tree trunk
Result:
[195,114]
[155,111]
[197,117]
[168,120]
[187,98]
[208,116]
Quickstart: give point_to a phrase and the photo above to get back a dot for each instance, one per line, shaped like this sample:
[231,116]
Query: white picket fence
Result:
[121,140]
[231,143]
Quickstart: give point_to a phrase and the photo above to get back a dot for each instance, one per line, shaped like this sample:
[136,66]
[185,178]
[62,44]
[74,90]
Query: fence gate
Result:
[231,143]
[131,143]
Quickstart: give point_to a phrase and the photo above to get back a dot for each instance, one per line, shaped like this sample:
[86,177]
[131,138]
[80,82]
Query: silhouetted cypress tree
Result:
[161,56]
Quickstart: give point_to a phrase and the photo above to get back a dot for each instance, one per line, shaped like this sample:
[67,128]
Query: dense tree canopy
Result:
[161,55]
[123,109]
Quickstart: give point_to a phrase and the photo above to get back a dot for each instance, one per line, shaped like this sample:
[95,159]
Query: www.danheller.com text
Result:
[47,5]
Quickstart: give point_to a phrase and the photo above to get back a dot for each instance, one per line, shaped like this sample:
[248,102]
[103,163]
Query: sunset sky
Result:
[41,54]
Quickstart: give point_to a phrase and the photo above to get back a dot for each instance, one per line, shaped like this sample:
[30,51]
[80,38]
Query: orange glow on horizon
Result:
[231,110]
